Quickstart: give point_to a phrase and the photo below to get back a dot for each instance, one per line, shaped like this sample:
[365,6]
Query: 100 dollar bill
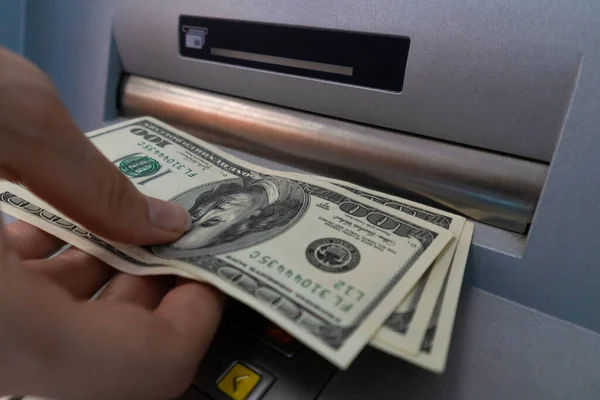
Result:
[435,345]
[420,329]
[325,264]
[405,329]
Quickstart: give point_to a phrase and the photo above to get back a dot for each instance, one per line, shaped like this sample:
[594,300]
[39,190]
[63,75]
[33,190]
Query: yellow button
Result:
[239,382]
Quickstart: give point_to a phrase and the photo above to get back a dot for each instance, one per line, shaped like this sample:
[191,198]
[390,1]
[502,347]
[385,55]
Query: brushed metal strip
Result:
[289,62]
[492,188]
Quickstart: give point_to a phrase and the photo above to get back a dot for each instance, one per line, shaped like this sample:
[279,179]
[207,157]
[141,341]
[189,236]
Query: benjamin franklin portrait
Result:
[234,215]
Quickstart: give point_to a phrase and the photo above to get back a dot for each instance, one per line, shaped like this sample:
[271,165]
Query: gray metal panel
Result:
[499,351]
[559,272]
[71,41]
[490,74]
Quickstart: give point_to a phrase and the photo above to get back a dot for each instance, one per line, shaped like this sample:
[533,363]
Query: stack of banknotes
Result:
[336,265]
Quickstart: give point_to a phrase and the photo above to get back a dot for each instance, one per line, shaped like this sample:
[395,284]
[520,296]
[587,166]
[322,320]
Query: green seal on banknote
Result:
[139,166]
[333,255]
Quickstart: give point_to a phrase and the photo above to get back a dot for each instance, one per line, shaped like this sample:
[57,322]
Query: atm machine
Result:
[488,109]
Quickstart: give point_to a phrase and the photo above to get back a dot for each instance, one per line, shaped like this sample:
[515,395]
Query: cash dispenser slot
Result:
[493,188]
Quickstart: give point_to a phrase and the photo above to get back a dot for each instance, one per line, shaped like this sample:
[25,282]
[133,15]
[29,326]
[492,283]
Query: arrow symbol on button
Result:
[237,380]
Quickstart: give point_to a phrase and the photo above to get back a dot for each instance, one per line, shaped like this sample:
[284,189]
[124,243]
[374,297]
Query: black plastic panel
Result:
[370,60]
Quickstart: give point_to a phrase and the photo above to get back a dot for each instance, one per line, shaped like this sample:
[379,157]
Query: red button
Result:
[279,335]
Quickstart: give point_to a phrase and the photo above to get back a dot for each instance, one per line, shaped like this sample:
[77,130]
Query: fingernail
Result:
[168,216]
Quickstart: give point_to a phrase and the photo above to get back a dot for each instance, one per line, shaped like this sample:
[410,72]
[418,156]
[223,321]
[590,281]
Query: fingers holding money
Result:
[76,178]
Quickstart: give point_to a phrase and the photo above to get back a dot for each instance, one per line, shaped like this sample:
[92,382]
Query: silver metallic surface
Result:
[310,65]
[495,189]
[486,238]
[499,351]
[494,74]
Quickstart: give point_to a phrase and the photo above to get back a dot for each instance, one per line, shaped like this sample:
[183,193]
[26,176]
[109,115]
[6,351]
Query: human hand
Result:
[144,336]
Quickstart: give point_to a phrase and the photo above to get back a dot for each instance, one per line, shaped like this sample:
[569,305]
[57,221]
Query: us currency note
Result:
[323,263]
[405,329]
[433,353]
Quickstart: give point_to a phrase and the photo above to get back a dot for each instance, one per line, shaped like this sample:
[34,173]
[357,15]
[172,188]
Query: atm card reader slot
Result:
[360,59]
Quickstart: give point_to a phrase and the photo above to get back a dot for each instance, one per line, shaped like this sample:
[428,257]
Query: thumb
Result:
[43,148]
